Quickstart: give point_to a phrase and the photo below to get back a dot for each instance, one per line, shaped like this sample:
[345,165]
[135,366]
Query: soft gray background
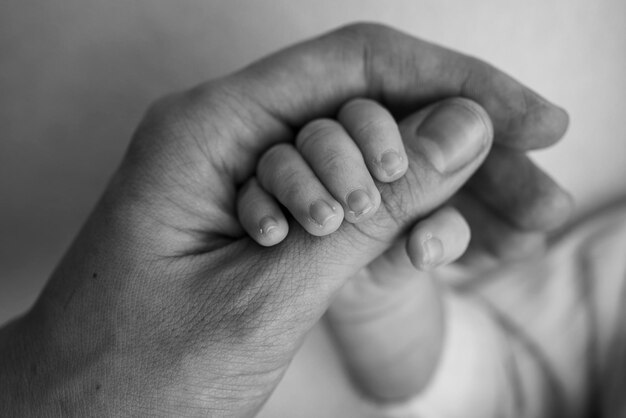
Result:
[75,76]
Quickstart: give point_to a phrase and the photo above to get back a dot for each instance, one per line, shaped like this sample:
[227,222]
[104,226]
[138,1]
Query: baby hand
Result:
[331,174]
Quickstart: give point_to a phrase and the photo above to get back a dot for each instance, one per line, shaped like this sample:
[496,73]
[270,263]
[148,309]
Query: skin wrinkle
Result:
[248,126]
[282,125]
[251,300]
[369,128]
[147,221]
[394,201]
[314,131]
[224,206]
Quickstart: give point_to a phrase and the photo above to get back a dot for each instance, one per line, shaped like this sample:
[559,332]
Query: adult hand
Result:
[162,306]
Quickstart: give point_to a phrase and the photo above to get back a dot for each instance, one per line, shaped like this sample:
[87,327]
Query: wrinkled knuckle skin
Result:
[161,119]
[398,203]
[251,299]
[165,130]
[315,131]
[332,163]
[412,196]
[223,94]
[152,133]
[372,128]
[166,110]
[171,110]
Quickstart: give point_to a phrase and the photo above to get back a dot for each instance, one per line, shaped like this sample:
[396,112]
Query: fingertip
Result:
[362,204]
[260,215]
[376,132]
[425,251]
[271,231]
[392,165]
[439,239]
[563,120]
[325,217]
[541,126]
[549,124]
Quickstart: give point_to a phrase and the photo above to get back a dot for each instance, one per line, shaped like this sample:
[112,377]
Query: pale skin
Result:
[164,306]
[331,161]
[329,176]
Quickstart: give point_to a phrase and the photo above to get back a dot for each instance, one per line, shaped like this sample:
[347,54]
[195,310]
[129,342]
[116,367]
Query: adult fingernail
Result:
[452,136]
[432,252]
[321,212]
[391,162]
[359,202]
[267,225]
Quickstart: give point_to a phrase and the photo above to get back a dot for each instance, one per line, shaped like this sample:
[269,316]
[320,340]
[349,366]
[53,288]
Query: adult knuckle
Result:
[214,93]
[158,126]
[162,108]
[170,116]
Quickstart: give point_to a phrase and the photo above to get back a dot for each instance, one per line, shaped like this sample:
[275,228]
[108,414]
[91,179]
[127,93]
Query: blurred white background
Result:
[76,75]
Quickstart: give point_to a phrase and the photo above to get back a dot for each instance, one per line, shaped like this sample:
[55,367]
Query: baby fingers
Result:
[439,239]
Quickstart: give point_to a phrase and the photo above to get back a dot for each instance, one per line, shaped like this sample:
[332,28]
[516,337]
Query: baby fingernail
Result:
[391,162]
[359,202]
[267,225]
[433,251]
[321,212]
